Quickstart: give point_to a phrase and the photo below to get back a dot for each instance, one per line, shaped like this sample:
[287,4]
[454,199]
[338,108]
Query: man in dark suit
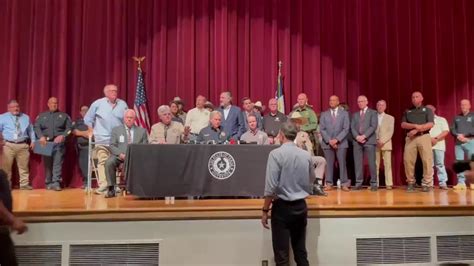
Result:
[334,127]
[232,119]
[121,136]
[363,126]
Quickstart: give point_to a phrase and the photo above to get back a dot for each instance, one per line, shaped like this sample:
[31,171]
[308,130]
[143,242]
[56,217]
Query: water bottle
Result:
[338,183]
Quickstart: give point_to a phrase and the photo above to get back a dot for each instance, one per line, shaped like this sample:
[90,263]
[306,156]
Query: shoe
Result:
[373,188]
[460,187]
[443,187]
[118,190]
[101,190]
[26,187]
[345,188]
[411,188]
[328,187]
[357,188]
[426,189]
[389,188]
[318,190]
[110,193]
[56,188]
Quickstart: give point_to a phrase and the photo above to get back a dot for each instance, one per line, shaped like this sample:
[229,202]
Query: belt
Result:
[19,142]
[422,133]
[290,202]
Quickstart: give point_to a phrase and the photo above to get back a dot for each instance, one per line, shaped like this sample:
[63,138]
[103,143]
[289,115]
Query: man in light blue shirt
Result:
[104,114]
[19,136]
[287,184]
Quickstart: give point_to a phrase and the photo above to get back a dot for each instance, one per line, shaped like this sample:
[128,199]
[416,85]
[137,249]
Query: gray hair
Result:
[163,110]
[214,113]
[13,101]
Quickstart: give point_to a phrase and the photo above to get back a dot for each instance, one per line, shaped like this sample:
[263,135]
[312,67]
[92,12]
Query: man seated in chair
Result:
[120,138]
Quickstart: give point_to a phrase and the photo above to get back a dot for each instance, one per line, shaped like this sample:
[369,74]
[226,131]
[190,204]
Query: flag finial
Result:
[139,60]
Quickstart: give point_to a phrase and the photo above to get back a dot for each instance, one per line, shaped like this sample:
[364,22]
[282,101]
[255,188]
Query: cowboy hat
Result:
[296,117]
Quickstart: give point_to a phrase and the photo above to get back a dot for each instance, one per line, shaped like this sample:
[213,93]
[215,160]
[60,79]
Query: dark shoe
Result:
[426,189]
[110,193]
[118,190]
[318,190]
[373,188]
[411,188]
[26,187]
[443,187]
[356,188]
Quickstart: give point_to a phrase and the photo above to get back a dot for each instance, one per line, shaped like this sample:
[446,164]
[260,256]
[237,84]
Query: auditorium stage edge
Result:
[74,205]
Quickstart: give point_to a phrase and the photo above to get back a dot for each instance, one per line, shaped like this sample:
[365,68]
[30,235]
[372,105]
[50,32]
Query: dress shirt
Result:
[197,119]
[9,130]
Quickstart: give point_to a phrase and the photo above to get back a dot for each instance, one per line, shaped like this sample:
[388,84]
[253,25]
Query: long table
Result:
[196,170]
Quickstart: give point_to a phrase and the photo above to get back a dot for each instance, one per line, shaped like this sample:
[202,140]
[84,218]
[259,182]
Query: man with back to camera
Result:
[287,184]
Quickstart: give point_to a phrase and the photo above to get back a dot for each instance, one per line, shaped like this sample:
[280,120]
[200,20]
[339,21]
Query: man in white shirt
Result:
[438,133]
[197,118]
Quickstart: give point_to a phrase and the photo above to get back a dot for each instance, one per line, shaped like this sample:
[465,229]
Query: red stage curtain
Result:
[384,49]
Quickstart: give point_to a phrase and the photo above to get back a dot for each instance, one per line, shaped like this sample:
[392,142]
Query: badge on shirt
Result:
[424,109]
[121,139]
[15,136]
[277,119]
[469,119]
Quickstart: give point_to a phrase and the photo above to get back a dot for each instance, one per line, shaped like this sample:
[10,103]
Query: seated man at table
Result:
[214,133]
[168,131]
[253,134]
[121,136]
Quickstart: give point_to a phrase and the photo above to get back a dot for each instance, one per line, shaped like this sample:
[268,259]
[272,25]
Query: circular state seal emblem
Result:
[221,165]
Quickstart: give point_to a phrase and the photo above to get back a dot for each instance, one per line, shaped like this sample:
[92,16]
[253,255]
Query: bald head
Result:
[465,106]
[333,101]
[53,104]
[417,98]
[302,99]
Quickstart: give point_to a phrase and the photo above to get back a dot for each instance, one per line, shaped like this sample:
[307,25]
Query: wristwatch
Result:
[265,210]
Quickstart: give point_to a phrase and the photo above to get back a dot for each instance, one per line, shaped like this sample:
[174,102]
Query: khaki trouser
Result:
[20,153]
[387,165]
[421,144]
[102,153]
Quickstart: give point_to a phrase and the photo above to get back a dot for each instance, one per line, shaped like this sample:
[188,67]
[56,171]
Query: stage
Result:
[74,205]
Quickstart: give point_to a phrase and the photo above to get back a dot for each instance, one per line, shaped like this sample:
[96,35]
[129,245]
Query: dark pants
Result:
[330,155]
[288,222]
[359,151]
[111,169]
[83,160]
[7,249]
[53,165]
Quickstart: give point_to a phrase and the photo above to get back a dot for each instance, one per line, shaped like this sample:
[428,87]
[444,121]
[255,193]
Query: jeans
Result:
[461,151]
[438,162]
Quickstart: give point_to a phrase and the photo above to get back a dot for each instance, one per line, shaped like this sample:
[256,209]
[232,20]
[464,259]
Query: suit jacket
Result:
[259,120]
[117,146]
[369,126]
[334,130]
[384,132]
[234,124]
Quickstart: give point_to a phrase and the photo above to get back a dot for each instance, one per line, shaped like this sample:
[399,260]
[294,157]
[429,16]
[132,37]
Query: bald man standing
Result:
[53,126]
[463,130]
[417,121]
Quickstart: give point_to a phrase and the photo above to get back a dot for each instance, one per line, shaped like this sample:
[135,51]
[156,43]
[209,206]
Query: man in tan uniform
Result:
[303,141]
[417,121]
[168,131]
[384,135]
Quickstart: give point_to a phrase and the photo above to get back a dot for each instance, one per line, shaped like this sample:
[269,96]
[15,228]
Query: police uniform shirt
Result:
[80,126]
[209,134]
[418,115]
[463,124]
[272,123]
[52,124]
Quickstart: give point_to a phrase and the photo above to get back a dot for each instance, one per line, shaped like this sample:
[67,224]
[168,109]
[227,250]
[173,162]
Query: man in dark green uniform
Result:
[307,112]
[417,121]
[53,126]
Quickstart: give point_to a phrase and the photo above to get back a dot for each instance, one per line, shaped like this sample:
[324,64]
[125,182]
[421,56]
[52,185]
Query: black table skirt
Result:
[188,170]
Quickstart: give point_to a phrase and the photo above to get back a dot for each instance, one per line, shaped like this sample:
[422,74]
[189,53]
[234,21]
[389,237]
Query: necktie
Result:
[166,132]
[17,126]
[333,116]
[129,135]
[361,122]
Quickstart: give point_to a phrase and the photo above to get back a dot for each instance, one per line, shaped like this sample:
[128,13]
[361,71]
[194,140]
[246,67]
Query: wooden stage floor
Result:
[75,205]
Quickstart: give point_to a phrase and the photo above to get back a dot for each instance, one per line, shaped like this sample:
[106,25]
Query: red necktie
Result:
[129,136]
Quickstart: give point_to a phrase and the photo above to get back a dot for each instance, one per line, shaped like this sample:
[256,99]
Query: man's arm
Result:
[272,178]
[9,219]
[241,124]
[372,126]
[114,142]
[345,127]
[312,121]
[37,128]
[354,129]
[323,129]
[390,129]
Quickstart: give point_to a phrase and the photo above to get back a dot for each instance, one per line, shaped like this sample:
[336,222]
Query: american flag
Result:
[140,103]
